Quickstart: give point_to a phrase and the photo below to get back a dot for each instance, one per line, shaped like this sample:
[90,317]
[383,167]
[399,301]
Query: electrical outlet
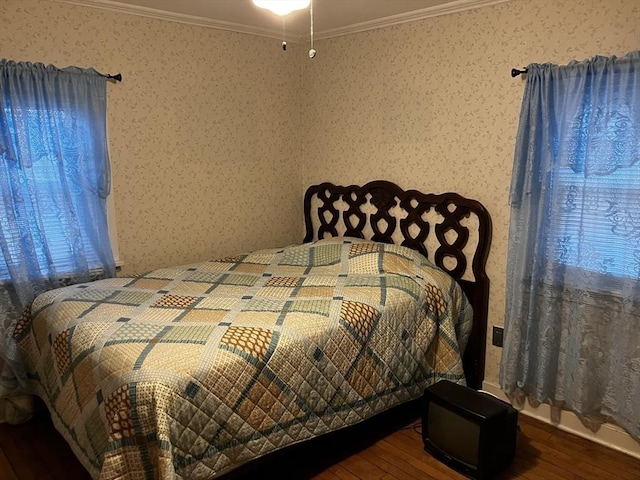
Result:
[498,336]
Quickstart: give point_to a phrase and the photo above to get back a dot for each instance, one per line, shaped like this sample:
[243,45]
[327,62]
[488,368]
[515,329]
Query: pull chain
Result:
[284,40]
[312,52]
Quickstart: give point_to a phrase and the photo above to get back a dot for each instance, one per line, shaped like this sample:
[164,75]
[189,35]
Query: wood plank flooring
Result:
[390,449]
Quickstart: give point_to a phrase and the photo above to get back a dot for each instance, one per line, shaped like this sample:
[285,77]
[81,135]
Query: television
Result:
[470,431]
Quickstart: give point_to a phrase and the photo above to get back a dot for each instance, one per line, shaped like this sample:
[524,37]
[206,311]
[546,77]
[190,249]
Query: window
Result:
[597,227]
[54,178]
[594,210]
[43,179]
[594,218]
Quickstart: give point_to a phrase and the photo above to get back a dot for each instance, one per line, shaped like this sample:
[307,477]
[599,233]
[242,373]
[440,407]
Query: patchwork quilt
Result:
[188,372]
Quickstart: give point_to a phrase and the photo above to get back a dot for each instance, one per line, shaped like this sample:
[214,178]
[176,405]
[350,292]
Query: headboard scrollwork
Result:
[452,231]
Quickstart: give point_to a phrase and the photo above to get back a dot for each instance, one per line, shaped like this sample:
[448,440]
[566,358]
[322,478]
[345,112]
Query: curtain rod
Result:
[515,72]
[117,77]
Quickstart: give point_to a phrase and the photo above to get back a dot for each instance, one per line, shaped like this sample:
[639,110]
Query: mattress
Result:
[190,371]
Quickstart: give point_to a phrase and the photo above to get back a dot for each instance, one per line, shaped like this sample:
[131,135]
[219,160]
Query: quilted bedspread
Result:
[187,372]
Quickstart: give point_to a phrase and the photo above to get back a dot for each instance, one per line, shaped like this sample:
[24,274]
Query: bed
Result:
[192,371]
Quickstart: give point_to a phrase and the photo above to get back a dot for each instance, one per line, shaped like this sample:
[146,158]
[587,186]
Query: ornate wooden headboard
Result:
[451,231]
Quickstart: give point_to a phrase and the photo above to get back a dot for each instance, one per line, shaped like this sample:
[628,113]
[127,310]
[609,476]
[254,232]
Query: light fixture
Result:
[282,7]
[285,7]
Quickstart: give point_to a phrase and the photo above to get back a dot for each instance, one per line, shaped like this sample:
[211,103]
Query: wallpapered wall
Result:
[431,104]
[205,118]
[202,130]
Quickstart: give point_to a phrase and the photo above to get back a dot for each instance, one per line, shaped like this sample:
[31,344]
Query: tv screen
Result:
[455,434]
[472,432]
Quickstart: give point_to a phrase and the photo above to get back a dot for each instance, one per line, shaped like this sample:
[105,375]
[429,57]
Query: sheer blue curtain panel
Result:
[54,182]
[572,317]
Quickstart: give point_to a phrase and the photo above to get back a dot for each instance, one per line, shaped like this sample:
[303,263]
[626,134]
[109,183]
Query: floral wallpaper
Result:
[431,104]
[214,135]
[202,130]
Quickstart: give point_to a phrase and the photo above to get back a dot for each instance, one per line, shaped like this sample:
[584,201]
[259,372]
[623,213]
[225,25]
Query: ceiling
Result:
[331,17]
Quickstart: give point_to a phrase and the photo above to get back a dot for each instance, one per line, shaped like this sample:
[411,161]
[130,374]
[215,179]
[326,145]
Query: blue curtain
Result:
[54,181]
[572,320]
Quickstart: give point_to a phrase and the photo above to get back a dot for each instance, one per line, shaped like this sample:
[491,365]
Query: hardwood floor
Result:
[390,449]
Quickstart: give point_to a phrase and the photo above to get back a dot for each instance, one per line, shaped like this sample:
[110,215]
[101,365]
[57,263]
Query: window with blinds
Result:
[596,225]
[51,186]
[594,215]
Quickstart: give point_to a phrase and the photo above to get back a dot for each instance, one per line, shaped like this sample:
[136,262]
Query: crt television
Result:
[470,431]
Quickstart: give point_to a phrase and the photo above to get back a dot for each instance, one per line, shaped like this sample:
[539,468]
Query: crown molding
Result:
[174,17]
[455,6]
[430,12]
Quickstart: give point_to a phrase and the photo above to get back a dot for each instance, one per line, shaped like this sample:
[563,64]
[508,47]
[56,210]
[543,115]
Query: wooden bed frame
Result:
[452,231]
